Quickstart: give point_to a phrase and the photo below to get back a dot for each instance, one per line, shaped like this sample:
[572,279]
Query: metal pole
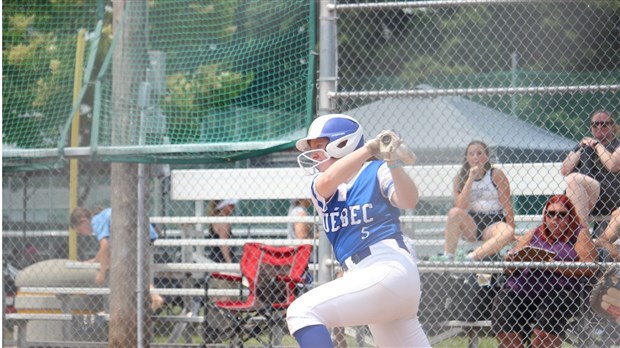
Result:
[140,254]
[328,53]
[75,135]
[514,82]
[143,104]
[327,84]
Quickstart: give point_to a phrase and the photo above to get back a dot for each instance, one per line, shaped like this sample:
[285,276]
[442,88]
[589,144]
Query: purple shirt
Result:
[533,281]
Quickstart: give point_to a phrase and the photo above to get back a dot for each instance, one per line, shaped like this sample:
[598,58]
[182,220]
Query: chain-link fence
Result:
[513,76]
[208,96]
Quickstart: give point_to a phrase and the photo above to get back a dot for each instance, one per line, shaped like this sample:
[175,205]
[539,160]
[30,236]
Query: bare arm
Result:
[327,183]
[302,229]
[611,160]
[570,162]
[223,232]
[586,252]
[521,242]
[503,188]
[103,256]
[406,192]
[461,199]
[610,235]
[585,247]
[612,232]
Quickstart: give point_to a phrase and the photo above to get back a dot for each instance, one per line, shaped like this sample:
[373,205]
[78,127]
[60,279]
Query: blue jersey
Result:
[359,213]
[101,225]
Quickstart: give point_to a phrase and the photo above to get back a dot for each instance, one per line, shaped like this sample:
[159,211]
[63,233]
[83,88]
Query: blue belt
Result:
[365,252]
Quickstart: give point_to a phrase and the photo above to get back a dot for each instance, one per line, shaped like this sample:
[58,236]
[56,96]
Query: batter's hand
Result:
[388,144]
[393,149]
[373,146]
[389,147]
[384,145]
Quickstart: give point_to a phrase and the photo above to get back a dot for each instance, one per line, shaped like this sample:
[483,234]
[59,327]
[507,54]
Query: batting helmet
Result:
[345,135]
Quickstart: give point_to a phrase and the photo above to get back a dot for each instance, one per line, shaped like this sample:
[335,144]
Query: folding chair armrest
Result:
[227,277]
[288,279]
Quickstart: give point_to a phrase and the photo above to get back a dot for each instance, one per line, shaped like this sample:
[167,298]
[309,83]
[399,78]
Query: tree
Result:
[39,39]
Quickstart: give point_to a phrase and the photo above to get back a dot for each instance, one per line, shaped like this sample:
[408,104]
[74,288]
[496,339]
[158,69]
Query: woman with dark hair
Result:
[223,230]
[592,169]
[544,296]
[482,206]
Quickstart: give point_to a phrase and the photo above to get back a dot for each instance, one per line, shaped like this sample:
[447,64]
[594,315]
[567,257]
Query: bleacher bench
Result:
[434,183]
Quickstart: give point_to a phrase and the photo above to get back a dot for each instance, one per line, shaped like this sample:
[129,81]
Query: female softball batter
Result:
[360,201]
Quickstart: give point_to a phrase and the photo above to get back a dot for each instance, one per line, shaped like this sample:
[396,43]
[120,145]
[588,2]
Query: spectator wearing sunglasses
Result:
[547,297]
[592,169]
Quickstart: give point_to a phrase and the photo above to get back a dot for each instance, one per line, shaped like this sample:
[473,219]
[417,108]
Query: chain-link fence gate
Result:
[207,95]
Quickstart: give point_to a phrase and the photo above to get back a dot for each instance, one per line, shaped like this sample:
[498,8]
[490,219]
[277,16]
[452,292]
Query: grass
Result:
[289,341]
[461,341]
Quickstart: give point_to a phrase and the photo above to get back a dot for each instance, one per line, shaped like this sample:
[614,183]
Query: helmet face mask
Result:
[344,135]
[309,164]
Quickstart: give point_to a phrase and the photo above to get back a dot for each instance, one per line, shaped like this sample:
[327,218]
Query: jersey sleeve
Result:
[386,183]
[319,202]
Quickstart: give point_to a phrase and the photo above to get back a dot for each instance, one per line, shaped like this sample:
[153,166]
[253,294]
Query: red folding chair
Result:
[273,276]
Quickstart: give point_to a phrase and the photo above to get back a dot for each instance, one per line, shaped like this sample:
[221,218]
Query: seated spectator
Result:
[98,222]
[610,235]
[220,253]
[225,207]
[545,297]
[592,169]
[300,230]
[482,206]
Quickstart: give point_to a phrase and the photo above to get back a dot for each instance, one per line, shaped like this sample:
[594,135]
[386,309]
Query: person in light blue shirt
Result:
[97,223]
[100,224]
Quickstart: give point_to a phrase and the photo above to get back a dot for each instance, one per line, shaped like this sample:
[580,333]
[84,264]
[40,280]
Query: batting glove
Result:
[389,142]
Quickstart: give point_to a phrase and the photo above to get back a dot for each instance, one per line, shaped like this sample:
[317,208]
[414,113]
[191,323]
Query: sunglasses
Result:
[601,123]
[554,213]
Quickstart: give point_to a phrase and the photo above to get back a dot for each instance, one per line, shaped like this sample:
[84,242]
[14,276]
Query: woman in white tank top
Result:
[482,206]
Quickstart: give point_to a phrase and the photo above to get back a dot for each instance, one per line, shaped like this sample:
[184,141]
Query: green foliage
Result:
[39,40]
[420,69]
[472,47]
[235,73]
[193,97]
[40,69]
[174,25]
[231,67]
